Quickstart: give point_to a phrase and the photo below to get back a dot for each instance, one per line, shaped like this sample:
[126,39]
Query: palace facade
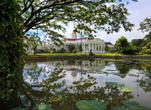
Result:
[75,44]
[87,45]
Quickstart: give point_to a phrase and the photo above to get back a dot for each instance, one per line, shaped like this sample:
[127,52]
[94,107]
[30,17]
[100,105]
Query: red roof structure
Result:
[77,39]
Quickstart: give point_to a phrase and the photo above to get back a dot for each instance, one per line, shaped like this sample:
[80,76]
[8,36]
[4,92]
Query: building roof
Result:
[81,39]
[77,39]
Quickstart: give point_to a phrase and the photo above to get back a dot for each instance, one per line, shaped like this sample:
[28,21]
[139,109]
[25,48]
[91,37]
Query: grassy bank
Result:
[75,54]
[51,56]
[59,54]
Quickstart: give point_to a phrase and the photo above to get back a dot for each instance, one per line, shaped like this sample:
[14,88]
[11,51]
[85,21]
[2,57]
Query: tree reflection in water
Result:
[52,89]
[143,66]
[45,85]
[145,81]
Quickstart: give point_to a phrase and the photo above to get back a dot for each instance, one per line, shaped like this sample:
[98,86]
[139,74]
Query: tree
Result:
[46,15]
[11,51]
[123,68]
[11,39]
[34,41]
[147,48]
[19,16]
[145,26]
[136,44]
[122,45]
[87,15]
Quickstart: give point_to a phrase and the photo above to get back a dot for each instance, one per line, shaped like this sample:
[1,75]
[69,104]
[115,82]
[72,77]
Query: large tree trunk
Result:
[11,72]
[11,54]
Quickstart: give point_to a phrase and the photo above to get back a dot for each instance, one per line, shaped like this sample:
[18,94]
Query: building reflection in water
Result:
[78,65]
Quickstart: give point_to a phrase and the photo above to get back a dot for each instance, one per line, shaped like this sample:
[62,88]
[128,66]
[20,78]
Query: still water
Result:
[88,84]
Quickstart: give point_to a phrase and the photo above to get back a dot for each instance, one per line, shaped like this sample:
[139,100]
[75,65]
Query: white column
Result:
[93,48]
[89,47]
[101,48]
[83,49]
[96,47]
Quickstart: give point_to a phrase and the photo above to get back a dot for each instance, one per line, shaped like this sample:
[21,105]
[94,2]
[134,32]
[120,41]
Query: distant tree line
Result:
[136,46]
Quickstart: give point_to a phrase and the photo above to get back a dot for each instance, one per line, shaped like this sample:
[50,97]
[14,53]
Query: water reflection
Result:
[62,84]
[62,93]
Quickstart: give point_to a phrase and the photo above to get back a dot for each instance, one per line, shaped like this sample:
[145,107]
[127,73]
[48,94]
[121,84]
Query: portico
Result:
[95,45]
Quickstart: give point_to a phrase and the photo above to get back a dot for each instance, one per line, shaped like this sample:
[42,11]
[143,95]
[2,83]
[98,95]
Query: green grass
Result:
[80,54]
[59,54]
[75,54]
[144,54]
[109,54]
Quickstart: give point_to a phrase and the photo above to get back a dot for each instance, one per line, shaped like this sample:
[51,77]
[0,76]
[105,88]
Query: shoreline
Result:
[86,57]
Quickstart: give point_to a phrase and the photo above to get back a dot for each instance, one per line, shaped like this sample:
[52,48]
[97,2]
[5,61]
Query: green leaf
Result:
[126,90]
[114,84]
[90,105]
[43,106]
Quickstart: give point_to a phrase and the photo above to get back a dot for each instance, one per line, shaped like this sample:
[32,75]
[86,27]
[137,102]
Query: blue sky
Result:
[138,12]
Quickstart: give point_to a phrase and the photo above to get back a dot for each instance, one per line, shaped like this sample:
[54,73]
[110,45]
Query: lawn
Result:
[79,54]
[86,56]
[60,54]
[75,54]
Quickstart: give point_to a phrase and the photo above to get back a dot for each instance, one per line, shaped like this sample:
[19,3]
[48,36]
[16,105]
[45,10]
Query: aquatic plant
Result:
[90,105]
[120,87]
[125,90]
[43,106]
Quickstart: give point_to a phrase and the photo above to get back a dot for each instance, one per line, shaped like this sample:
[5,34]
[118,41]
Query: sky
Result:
[138,12]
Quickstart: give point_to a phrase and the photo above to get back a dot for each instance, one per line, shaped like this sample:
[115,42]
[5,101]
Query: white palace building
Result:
[88,45]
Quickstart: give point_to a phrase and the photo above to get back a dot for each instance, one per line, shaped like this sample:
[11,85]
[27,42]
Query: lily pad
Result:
[120,87]
[60,97]
[90,105]
[43,106]
[114,84]
[126,90]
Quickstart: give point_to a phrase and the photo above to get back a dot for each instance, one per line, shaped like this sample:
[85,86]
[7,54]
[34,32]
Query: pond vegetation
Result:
[83,85]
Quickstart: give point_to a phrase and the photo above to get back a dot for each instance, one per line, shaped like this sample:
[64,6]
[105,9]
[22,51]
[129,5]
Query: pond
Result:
[97,84]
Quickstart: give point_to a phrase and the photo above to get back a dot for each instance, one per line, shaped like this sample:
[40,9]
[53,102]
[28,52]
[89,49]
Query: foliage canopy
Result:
[145,26]
[87,16]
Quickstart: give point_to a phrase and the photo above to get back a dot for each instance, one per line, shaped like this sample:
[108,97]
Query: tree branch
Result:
[38,11]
